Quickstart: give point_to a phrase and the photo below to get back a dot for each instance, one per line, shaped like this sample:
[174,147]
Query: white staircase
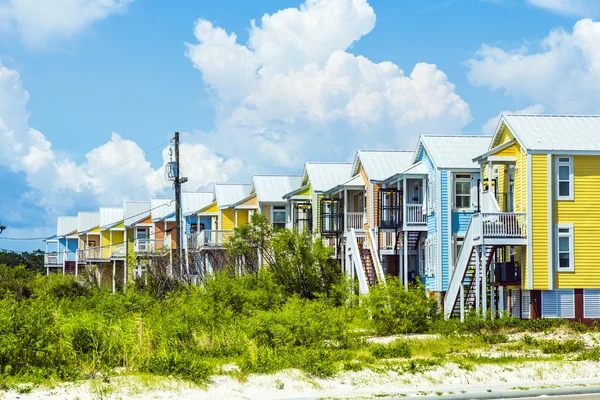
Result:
[364,261]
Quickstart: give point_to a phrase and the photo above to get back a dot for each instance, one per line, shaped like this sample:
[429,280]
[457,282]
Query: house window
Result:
[462,191]
[564,250]
[558,303]
[564,178]
[430,256]
[278,217]
[458,242]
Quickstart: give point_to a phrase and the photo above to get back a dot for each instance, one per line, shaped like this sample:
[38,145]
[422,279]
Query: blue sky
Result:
[125,68]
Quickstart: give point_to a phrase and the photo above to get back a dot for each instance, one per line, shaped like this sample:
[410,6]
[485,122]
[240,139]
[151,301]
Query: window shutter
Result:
[550,304]
[591,303]
[474,190]
[525,304]
[516,302]
[452,189]
[566,303]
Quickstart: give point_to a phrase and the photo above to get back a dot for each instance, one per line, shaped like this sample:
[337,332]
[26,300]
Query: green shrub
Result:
[592,354]
[495,338]
[395,310]
[186,364]
[397,349]
[560,347]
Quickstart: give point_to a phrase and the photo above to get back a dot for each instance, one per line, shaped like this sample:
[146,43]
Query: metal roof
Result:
[554,132]
[161,208]
[272,188]
[135,211]
[228,194]
[324,176]
[86,221]
[416,169]
[192,202]
[454,151]
[66,226]
[356,183]
[380,165]
[110,217]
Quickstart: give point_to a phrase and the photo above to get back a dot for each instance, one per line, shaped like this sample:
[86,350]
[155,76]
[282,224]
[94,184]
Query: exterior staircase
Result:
[367,264]
[361,253]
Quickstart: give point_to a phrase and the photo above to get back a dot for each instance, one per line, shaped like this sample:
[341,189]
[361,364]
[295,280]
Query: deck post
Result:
[484,281]
[477,279]
[462,303]
[501,301]
[346,227]
[113,276]
[405,263]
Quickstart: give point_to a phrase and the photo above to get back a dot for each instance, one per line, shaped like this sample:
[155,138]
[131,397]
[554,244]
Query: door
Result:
[510,198]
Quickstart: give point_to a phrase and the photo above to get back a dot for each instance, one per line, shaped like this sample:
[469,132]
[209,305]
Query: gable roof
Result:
[135,211]
[356,182]
[66,226]
[453,151]
[86,221]
[110,217]
[161,208]
[577,133]
[272,188]
[192,202]
[324,176]
[379,165]
[229,194]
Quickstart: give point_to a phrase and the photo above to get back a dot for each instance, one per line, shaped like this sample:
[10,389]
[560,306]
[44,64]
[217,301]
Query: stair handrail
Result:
[375,257]
[363,286]
[467,246]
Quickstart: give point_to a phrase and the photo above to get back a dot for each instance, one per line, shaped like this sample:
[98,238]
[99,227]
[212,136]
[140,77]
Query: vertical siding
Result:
[539,214]
[72,245]
[584,214]
[368,204]
[444,210]
[460,221]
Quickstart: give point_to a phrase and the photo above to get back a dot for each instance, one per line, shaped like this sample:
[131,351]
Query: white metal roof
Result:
[86,221]
[161,208]
[110,217]
[192,202]
[135,211]
[324,176]
[555,132]
[356,182]
[66,226]
[228,194]
[416,169]
[272,188]
[454,151]
[380,165]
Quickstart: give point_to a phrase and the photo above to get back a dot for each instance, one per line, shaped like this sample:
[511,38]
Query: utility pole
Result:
[174,173]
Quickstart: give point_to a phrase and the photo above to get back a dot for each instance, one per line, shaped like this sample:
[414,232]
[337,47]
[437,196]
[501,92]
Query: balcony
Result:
[118,251]
[500,229]
[89,254]
[54,259]
[151,245]
[214,238]
[355,220]
[415,215]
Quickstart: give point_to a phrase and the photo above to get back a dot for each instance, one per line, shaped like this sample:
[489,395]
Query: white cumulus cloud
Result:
[489,128]
[39,22]
[564,74]
[111,173]
[294,92]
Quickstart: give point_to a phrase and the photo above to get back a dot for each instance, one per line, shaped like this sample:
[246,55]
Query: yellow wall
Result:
[584,214]
[118,237]
[539,219]
[266,211]
[105,245]
[252,201]
[242,217]
[214,208]
[305,192]
[227,219]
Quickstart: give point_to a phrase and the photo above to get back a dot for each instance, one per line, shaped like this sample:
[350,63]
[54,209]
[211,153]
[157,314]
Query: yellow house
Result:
[540,217]
[139,231]
[113,250]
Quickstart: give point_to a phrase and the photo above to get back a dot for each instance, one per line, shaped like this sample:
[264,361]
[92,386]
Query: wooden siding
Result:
[227,219]
[539,218]
[305,192]
[266,211]
[584,213]
[213,208]
[242,217]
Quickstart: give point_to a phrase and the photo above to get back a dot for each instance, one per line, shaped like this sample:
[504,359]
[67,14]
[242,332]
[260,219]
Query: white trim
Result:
[438,211]
[529,222]
[571,236]
[568,163]
[501,159]
[550,227]
[449,216]
[452,180]
[272,207]
[371,205]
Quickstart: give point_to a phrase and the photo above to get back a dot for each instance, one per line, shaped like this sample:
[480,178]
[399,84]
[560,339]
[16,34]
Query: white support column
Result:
[114,287]
[501,301]
[462,303]
[344,261]
[405,253]
[126,247]
[493,300]
[484,281]
[404,197]
[477,279]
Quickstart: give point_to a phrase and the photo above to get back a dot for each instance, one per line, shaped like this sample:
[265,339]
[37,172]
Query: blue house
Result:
[434,227]
[61,249]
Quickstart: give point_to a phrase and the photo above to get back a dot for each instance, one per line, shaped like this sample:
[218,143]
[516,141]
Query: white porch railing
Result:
[504,225]
[53,258]
[118,251]
[376,263]
[150,245]
[355,220]
[415,215]
[214,238]
[388,240]
[91,253]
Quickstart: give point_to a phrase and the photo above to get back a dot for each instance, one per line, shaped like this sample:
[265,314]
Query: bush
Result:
[560,347]
[395,310]
[184,364]
[397,349]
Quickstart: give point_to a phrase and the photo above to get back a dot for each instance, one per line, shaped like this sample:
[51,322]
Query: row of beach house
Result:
[508,223]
